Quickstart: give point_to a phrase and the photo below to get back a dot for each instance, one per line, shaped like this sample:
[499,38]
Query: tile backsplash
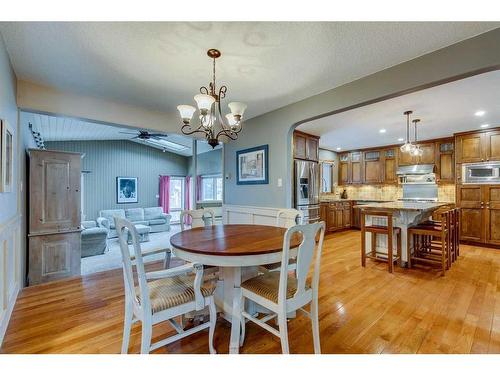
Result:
[446,193]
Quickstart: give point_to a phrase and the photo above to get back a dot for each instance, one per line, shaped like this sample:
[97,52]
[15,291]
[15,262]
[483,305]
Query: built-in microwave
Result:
[481,173]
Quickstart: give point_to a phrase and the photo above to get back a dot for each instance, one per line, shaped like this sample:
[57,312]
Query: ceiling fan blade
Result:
[157,135]
[128,132]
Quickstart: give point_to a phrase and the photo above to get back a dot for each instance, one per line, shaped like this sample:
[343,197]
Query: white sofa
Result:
[153,217]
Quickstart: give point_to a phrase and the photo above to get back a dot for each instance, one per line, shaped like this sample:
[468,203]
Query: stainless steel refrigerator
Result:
[306,181]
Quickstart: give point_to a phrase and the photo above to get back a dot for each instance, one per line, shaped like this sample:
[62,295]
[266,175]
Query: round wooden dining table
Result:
[237,249]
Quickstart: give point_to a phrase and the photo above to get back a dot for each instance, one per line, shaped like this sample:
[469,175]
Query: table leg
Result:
[234,343]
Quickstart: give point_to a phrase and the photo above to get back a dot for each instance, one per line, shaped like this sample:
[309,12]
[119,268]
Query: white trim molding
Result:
[234,214]
[10,270]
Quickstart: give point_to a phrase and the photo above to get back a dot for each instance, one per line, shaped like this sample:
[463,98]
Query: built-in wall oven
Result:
[481,173]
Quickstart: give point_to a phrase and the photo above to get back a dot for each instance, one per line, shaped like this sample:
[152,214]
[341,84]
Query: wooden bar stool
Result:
[432,241]
[454,236]
[389,230]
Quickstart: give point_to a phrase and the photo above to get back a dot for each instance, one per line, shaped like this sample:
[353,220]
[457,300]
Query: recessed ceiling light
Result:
[480,113]
[382,131]
[485,125]
[401,139]
[339,148]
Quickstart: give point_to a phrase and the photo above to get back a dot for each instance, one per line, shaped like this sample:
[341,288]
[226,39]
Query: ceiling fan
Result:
[144,135]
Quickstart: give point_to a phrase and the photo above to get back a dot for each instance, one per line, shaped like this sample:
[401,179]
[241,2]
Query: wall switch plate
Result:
[280,182]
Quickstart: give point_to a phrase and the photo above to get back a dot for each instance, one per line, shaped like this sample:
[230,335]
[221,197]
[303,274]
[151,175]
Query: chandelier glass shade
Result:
[416,150]
[407,147]
[211,122]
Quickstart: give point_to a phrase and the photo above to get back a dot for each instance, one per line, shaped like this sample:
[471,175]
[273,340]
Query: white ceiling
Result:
[58,128]
[444,110]
[265,64]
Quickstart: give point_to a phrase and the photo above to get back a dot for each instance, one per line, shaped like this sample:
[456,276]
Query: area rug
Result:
[112,258]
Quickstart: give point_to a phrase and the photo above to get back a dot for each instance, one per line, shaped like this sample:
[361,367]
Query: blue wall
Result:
[107,160]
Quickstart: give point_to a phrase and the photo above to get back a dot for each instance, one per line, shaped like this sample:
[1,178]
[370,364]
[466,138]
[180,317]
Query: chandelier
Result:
[211,122]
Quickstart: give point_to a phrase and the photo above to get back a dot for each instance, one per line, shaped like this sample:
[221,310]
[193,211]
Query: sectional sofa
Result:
[153,217]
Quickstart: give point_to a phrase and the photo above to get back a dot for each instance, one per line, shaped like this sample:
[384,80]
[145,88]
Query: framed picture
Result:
[6,157]
[253,166]
[126,190]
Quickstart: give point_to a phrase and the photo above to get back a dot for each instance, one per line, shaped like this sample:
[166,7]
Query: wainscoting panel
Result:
[232,214]
[10,278]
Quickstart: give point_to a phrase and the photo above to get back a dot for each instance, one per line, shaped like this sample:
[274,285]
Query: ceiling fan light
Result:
[186,112]
[204,102]
[237,109]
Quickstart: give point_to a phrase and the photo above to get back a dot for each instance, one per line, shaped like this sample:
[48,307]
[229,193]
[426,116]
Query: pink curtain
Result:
[198,188]
[187,199]
[165,193]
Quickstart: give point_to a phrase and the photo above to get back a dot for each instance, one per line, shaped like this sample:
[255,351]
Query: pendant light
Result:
[407,147]
[416,151]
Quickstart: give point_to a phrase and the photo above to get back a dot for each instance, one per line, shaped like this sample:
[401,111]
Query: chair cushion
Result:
[134,214]
[151,213]
[109,214]
[277,265]
[267,286]
[157,221]
[173,291]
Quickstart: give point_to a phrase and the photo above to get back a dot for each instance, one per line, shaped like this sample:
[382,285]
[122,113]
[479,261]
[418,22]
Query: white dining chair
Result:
[202,217]
[160,296]
[285,218]
[288,217]
[282,293]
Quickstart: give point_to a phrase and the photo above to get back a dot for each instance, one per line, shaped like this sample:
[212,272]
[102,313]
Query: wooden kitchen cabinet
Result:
[356,165]
[478,146]
[347,215]
[372,167]
[389,166]
[445,161]
[492,211]
[338,215]
[312,148]
[305,146]
[428,155]
[480,213]
[299,145]
[492,145]
[469,199]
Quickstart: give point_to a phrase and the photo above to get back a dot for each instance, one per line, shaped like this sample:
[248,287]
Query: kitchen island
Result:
[405,214]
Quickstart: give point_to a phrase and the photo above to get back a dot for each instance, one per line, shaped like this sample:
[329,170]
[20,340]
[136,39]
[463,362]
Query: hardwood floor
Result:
[361,311]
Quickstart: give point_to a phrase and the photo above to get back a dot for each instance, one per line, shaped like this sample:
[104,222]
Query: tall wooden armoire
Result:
[54,215]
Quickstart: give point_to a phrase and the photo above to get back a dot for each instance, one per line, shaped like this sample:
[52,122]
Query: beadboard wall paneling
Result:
[107,160]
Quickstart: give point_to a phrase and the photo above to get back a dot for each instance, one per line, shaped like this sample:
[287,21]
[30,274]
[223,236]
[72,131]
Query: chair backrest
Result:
[386,214]
[289,217]
[305,256]
[199,218]
[123,228]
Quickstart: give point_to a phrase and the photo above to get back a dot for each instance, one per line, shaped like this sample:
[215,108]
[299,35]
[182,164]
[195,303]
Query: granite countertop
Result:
[402,206]
[333,199]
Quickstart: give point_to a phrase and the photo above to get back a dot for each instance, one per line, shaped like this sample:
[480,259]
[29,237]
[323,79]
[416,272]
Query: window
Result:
[176,197]
[211,188]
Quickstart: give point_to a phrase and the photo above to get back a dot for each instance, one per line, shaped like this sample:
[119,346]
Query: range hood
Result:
[417,169]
